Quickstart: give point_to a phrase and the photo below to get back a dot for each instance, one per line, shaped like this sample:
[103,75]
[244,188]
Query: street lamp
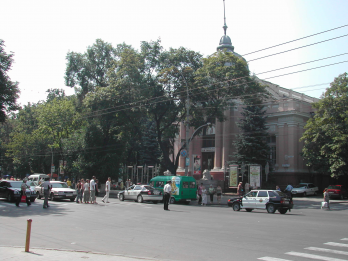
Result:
[188,143]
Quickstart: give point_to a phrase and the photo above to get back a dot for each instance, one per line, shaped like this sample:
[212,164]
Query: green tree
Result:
[326,136]
[8,89]
[251,144]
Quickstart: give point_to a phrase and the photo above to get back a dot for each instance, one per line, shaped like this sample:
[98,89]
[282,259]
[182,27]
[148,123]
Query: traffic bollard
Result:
[27,241]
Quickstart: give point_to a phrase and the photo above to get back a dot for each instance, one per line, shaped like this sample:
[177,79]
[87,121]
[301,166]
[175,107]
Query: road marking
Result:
[344,239]
[267,258]
[327,250]
[336,244]
[325,258]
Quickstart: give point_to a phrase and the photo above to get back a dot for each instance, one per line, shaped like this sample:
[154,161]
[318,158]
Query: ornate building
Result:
[287,114]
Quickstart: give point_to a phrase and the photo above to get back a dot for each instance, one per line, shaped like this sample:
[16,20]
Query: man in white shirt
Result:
[46,186]
[92,190]
[167,191]
[107,190]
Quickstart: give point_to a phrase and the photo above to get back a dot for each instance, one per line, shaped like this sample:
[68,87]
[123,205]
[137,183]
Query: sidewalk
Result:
[18,253]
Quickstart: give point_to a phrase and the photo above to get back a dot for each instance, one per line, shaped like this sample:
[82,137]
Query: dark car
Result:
[11,190]
[141,193]
[271,200]
[337,191]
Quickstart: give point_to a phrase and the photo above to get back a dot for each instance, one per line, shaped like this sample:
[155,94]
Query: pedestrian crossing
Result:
[334,253]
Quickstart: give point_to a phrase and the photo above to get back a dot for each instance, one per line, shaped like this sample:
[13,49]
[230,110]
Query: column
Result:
[182,137]
[218,143]
[226,137]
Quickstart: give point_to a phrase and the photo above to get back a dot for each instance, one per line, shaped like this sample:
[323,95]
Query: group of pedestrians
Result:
[202,194]
[87,190]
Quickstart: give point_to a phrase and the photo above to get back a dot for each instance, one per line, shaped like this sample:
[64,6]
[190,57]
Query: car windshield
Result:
[334,187]
[30,183]
[59,185]
[16,184]
[301,186]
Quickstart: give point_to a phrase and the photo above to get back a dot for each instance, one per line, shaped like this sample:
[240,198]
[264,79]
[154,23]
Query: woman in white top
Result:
[204,196]
[86,192]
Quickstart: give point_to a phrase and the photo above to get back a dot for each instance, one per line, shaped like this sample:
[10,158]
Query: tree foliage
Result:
[251,144]
[326,136]
[8,89]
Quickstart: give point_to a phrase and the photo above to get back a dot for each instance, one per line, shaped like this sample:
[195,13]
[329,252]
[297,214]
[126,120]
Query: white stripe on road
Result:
[267,258]
[328,250]
[325,258]
[336,244]
[344,239]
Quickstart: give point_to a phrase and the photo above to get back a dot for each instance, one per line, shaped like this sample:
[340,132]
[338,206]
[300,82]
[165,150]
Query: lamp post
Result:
[188,143]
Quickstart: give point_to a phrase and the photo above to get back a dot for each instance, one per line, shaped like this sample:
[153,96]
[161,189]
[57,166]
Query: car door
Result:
[249,200]
[128,192]
[136,192]
[310,189]
[3,187]
[262,199]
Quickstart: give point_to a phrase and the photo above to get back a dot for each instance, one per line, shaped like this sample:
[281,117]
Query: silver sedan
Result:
[141,193]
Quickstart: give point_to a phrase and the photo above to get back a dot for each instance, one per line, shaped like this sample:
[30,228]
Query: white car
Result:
[305,189]
[141,193]
[60,190]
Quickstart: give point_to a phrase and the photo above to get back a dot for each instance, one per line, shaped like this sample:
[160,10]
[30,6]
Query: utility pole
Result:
[187,159]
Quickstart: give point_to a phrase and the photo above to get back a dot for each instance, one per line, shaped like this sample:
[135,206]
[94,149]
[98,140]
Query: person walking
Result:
[327,197]
[47,187]
[218,193]
[211,193]
[167,191]
[24,187]
[79,188]
[204,196]
[86,192]
[240,189]
[96,189]
[92,190]
[199,193]
[107,190]
[288,190]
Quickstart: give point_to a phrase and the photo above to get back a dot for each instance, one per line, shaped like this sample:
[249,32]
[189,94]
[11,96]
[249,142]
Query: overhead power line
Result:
[295,40]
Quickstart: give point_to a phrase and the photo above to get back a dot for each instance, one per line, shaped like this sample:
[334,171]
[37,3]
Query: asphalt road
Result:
[187,232]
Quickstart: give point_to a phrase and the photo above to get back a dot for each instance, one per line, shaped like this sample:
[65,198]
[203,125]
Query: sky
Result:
[41,33]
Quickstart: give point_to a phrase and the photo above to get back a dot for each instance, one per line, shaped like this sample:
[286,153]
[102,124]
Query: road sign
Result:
[183,153]
[187,162]
[53,169]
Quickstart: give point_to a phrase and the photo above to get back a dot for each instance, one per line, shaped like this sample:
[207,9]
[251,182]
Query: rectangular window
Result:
[262,194]
[192,184]
[185,184]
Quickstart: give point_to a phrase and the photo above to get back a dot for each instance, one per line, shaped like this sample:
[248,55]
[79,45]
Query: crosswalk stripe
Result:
[267,258]
[325,258]
[328,250]
[336,244]
[344,239]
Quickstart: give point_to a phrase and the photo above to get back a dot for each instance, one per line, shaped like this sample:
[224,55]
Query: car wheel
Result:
[72,199]
[32,199]
[155,202]
[249,209]
[9,197]
[38,195]
[121,197]
[270,208]
[236,206]
[140,199]
[282,210]
[52,197]
[304,194]
[172,200]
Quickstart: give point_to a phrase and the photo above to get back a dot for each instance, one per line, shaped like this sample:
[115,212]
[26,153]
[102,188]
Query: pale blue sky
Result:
[40,33]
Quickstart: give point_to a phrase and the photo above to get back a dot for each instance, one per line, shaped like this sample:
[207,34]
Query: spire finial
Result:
[225,26]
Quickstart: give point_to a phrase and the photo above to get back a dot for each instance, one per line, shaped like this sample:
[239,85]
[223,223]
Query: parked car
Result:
[60,190]
[11,190]
[337,191]
[305,189]
[141,193]
[271,200]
